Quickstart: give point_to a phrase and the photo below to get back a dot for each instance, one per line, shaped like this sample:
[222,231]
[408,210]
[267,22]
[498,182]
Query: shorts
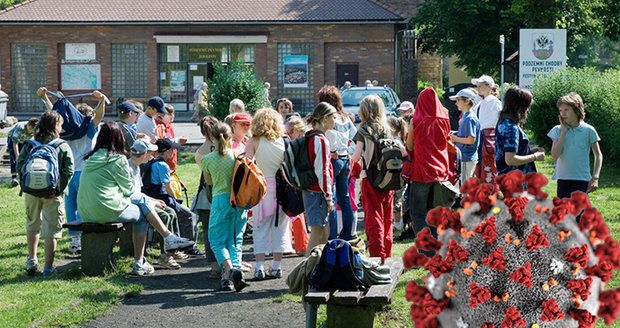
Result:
[315,208]
[45,215]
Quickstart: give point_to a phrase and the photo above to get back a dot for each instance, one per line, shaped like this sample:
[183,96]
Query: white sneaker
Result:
[76,246]
[168,262]
[32,265]
[142,268]
[174,242]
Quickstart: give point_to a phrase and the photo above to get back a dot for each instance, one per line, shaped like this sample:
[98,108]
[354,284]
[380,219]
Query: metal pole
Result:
[501,63]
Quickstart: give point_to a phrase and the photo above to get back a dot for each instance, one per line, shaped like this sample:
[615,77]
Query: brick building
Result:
[140,48]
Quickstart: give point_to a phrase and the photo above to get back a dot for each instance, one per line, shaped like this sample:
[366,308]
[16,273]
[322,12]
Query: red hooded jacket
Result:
[431,127]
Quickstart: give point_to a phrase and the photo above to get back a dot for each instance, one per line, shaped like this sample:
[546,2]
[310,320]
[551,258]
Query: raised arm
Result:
[42,93]
[100,109]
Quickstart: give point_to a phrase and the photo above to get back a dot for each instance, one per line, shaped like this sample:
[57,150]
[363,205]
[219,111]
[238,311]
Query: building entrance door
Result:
[197,74]
[347,72]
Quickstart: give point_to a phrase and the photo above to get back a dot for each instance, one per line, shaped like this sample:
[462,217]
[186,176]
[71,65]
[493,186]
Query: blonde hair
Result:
[575,102]
[398,125]
[236,106]
[206,125]
[372,113]
[267,123]
[319,114]
[295,123]
[222,133]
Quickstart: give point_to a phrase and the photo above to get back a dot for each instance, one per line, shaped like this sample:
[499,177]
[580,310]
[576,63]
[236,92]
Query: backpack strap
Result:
[33,142]
[56,142]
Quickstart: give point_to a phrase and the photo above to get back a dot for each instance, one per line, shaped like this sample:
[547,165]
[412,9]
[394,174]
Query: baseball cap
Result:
[465,93]
[484,79]
[141,146]
[158,104]
[405,106]
[242,117]
[126,107]
[165,145]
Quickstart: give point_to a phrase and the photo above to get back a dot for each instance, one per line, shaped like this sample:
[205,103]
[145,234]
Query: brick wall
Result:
[369,45]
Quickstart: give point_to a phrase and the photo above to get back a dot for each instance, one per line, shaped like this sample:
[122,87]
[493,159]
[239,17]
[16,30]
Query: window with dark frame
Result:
[29,72]
[129,70]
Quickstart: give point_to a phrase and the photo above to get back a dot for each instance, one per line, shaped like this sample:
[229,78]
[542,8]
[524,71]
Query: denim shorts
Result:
[315,207]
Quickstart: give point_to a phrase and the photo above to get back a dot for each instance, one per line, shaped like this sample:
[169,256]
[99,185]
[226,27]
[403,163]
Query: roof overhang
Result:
[138,23]
[210,38]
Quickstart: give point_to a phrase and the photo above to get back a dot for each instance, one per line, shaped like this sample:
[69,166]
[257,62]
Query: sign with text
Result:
[541,51]
[80,51]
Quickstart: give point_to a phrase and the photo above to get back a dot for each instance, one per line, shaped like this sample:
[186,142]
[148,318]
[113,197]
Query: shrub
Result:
[235,80]
[601,95]
[422,84]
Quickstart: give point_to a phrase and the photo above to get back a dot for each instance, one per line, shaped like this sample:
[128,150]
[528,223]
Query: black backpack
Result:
[386,164]
[339,268]
[288,197]
[298,170]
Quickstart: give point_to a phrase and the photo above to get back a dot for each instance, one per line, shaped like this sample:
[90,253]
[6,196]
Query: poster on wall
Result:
[177,81]
[296,71]
[80,52]
[172,54]
[541,51]
[80,76]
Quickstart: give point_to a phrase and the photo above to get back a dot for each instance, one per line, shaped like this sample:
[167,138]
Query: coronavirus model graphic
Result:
[524,261]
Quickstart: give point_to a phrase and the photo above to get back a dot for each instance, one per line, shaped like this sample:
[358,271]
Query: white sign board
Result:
[173,54]
[80,52]
[541,51]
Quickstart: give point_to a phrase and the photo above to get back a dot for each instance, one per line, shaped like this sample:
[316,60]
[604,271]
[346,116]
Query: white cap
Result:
[405,106]
[465,93]
[484,79]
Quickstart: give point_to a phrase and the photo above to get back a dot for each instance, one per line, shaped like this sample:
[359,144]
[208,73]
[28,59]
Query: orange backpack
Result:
[249,185]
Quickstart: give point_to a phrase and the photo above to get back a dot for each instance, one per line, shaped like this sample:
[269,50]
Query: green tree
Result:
[7,3]
[235,80]
[470,30]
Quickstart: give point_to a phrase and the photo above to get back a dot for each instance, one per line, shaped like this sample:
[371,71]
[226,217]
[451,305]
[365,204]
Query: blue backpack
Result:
[41,174]
[340,268]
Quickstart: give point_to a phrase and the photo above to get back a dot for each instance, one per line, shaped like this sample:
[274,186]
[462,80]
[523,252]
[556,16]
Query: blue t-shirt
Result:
[160,174]
[574,162]
[469,126]
[509,138]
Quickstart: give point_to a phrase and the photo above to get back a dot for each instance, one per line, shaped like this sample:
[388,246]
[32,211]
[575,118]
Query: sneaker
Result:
[275,273]
[237,278]
[195,252]
[174,242]
[49,271]
[76,246]
[142,268]
[14,182]
[32,265]
[259,274]
[168,262]
[178,255]
[246,267]
[227,285]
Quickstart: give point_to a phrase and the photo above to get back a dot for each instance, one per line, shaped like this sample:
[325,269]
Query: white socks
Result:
[276,265]
[260,265]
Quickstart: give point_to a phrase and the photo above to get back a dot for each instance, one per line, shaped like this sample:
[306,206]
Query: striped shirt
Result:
[318,151]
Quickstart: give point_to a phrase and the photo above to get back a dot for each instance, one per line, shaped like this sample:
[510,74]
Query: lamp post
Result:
[501,63]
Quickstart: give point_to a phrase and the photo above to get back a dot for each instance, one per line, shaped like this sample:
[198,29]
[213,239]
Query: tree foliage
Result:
[470,30]
[235,80]
[7,3]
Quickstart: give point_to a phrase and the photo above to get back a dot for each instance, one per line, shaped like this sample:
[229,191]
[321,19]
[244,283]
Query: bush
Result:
[601,94]
[422,84]
[235,80]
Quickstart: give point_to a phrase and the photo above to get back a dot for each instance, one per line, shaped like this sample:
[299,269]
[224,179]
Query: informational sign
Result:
[80,52]
[541,51]
[205,54]
[296,71]
[177,81]
[198,80]
[172,54]
[80,76]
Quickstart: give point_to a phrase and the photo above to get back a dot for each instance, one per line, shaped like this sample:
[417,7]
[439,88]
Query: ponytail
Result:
[222,132]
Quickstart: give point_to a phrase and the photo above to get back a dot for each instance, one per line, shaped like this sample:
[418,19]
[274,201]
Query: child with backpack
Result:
[44,202]
[398,126]
[225,222]
[165,130]
[271,225]
[296,127]
[317,197]
[376,201]
[16,138]
[467,138]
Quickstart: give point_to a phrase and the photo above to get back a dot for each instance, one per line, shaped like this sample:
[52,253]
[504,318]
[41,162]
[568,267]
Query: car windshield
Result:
[354,97]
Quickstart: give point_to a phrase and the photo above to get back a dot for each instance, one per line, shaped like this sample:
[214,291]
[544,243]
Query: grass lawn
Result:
[68,299]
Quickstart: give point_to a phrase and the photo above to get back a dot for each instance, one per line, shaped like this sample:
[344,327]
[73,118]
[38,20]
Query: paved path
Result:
[187,298]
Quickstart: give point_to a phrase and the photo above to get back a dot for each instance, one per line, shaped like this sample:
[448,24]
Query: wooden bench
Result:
[98,240]
[353,308]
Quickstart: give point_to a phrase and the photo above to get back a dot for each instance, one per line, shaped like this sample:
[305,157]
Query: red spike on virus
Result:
[603,270]
[436,266]
[578,255]
[415,293]
[609,251]
[580,201]
[610,305]
[583,317]
[581,287]
[592,222]
[456,253]
[561,208]
[426,241]
[478,294]
[551,311]
[535,182]
[470,185]
[436,216]
[536,239]
[513,318]
[496,260]
[488,230]
[523,275]
[433,307]
[516,206]
[488,324]
[413,259]
[511,183]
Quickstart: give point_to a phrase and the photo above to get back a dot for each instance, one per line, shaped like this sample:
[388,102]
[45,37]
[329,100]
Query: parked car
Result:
[352,97]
